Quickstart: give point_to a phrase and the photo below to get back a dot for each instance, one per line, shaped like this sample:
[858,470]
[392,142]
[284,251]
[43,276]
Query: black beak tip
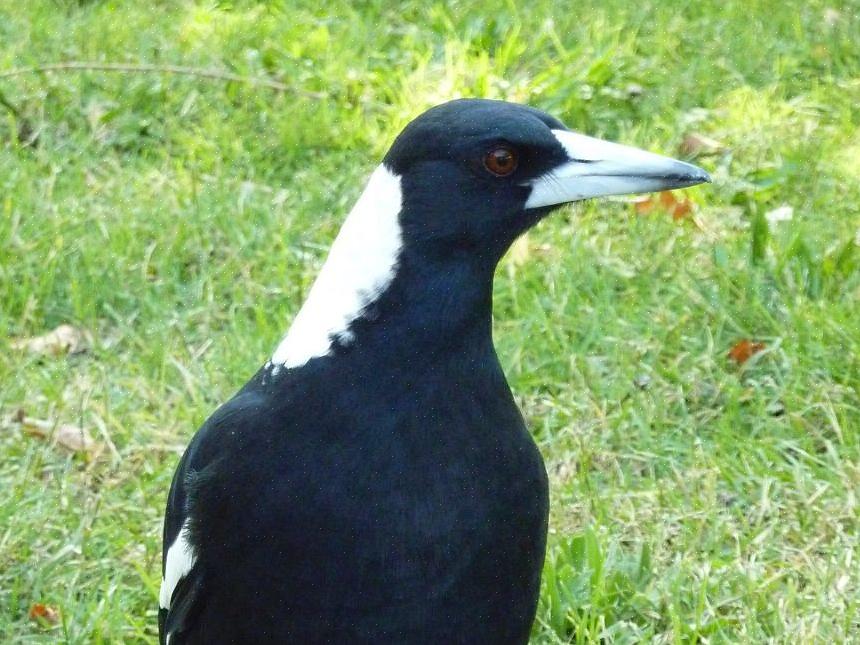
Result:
[691,174]
[695,177]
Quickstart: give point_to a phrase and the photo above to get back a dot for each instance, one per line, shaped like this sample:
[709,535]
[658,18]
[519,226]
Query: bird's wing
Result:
[182,592]
[187,597]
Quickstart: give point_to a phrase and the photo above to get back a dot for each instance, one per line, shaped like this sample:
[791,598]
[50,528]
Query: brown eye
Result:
[501,161]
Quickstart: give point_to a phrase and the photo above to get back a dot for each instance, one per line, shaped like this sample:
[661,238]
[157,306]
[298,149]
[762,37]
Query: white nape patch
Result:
[180,559]
[600,168]
[360,265]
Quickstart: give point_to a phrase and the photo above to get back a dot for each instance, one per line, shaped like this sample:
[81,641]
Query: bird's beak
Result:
[597,168]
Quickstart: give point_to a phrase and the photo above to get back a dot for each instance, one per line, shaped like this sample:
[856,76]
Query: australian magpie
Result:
[374,481]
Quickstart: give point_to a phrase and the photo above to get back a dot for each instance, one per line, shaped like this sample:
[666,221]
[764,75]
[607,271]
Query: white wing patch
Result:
[180,559]
[360,265]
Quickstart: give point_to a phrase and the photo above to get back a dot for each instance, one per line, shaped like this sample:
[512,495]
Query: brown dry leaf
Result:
[743,350]
[42,613]
[65,339]
[70,437]
[644,205]
[75,439]
[682,209]
[667,202]
[698,145]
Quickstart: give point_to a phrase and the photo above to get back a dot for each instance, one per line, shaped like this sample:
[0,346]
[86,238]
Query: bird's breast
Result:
[415,500]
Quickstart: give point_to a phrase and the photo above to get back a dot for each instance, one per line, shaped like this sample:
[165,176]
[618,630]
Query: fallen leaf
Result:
[666,202]
[46,614]
[743,350]
[680,209]
[667,199]
[75,438]
[65,339]
[698,145]
[782,214]
[70,437]
[643,205]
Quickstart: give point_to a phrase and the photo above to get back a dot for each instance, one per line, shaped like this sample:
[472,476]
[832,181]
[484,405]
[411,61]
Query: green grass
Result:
[181,221]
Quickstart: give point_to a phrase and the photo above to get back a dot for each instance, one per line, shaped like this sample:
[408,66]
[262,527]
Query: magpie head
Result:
[458,185]
[474,174]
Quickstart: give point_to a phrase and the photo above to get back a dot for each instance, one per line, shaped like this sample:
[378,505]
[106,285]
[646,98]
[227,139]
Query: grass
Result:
[181,220]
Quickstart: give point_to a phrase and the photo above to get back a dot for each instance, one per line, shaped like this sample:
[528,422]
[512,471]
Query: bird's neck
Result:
[431,307]
[375,290]
[360,266]
[425,309]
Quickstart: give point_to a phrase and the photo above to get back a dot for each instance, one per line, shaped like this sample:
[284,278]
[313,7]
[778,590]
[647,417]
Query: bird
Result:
[374,481]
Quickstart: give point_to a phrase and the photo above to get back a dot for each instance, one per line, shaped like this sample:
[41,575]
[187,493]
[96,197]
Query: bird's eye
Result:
[501,161]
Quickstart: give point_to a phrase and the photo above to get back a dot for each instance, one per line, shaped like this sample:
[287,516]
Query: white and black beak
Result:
[598,168]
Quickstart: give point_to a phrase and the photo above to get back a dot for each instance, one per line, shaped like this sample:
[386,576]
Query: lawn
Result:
[180,219]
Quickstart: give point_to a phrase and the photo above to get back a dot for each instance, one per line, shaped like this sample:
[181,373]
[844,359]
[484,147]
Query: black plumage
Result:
[387,490]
